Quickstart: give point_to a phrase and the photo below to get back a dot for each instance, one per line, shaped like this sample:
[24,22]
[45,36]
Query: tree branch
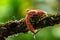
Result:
[13,27]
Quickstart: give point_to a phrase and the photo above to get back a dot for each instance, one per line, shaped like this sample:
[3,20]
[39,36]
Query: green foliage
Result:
[21,36]
[10,8]
[49,33]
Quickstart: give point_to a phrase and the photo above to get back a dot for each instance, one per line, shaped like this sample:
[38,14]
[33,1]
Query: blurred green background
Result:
[16,9]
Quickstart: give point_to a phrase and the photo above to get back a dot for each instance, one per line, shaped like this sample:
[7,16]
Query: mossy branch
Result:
[13,27]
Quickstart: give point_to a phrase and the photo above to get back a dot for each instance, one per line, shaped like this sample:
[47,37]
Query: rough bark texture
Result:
[13,27]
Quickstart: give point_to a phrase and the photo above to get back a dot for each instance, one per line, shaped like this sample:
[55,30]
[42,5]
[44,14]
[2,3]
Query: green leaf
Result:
[21,36]
[49,33]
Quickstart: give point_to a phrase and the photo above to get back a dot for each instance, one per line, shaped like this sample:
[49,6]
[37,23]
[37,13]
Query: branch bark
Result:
[13,27]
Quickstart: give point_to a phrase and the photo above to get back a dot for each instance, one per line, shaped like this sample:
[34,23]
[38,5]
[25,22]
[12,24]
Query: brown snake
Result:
[31,13]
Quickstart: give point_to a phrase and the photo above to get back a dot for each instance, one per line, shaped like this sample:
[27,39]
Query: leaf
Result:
[49,33]
[21,36]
